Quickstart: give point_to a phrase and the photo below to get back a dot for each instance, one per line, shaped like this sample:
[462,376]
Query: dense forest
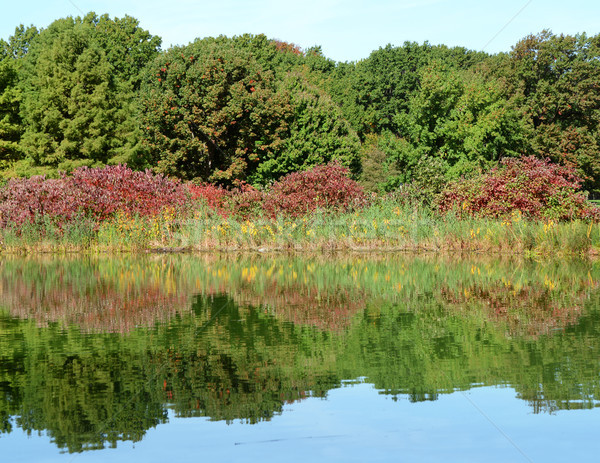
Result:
[94,91]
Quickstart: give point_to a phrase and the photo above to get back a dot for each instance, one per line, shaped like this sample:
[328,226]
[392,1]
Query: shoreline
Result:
[419,250]
[382,228]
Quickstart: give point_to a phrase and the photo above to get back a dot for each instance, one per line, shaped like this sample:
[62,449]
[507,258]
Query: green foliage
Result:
[211,112]
[78,81]
[375,170]
[554,80]
[10,121]
[126,45]
[462,118]
[376,90]
[11,124]
[272,55]
[19,43]
[317,134]
[214,111]
[95,90]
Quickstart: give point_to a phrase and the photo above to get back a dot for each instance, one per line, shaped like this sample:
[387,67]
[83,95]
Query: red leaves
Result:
[286,47]
[215,196]
[25,200]
[95,193]
[104,191]
[324,187]
[536,187]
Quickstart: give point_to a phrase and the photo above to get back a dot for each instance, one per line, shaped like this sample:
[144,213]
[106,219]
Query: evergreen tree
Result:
[79,77]
[11,128]
[10,122]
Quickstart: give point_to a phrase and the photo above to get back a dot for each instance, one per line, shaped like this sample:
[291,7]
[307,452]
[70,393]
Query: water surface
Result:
[362,358]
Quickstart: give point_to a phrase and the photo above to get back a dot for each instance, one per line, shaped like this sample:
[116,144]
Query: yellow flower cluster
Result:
[548,226]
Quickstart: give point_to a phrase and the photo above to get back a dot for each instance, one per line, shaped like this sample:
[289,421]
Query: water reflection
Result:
[96,350]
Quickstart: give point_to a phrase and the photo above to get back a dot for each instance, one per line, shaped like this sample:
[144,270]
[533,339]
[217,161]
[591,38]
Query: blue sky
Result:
[347,30]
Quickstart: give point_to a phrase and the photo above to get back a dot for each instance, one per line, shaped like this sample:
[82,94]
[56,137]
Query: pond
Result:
[378,357]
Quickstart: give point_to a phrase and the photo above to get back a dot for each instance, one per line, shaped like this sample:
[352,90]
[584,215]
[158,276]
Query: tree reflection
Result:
[95,351]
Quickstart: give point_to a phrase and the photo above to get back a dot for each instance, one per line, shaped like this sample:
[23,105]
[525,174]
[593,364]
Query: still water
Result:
[241,358]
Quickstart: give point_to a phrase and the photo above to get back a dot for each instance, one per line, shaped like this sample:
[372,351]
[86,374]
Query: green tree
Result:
[128,47]
[18,44]
[211,112]
[317,133]
[554,80]
[461,117]
[11,127]
[244,108]
[79,77]
[374,91]
[10,122]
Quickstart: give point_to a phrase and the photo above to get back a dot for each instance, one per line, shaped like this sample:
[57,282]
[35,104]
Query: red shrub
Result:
[325,187]
[245,200]
[28,199]
[215,196]
[95,193]
[103,191]
[536,187]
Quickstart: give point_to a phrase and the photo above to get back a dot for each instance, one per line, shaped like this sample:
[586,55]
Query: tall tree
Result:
[18,44]
[555,81]
[224,109]
[317,132]
[10,121]
[11,126]
[374,91]
[210,111]
[461,117]
[78,90]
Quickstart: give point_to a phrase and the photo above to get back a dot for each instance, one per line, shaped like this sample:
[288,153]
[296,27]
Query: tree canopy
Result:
[76,84]
[96,90]
[212,111]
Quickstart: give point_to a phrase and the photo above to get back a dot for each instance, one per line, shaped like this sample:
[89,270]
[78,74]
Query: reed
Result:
[384,225]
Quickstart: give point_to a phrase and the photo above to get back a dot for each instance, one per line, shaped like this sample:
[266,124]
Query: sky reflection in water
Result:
[357,423]
[459,360]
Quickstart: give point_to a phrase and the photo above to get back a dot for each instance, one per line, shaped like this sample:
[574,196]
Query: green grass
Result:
[383,226]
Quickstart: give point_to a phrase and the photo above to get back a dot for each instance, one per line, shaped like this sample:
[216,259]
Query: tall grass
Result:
[385,225]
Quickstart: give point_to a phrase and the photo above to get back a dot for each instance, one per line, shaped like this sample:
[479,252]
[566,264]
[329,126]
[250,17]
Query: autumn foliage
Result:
[96,193]
[326,187]
[214,196]
[538,189]
[535,187]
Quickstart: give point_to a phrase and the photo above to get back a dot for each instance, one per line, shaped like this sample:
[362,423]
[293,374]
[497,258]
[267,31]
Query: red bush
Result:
[215,196]
[95,193]
[536,187]
[245,200]
[25,200]
[242,201]
[103,191]
[325,187]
